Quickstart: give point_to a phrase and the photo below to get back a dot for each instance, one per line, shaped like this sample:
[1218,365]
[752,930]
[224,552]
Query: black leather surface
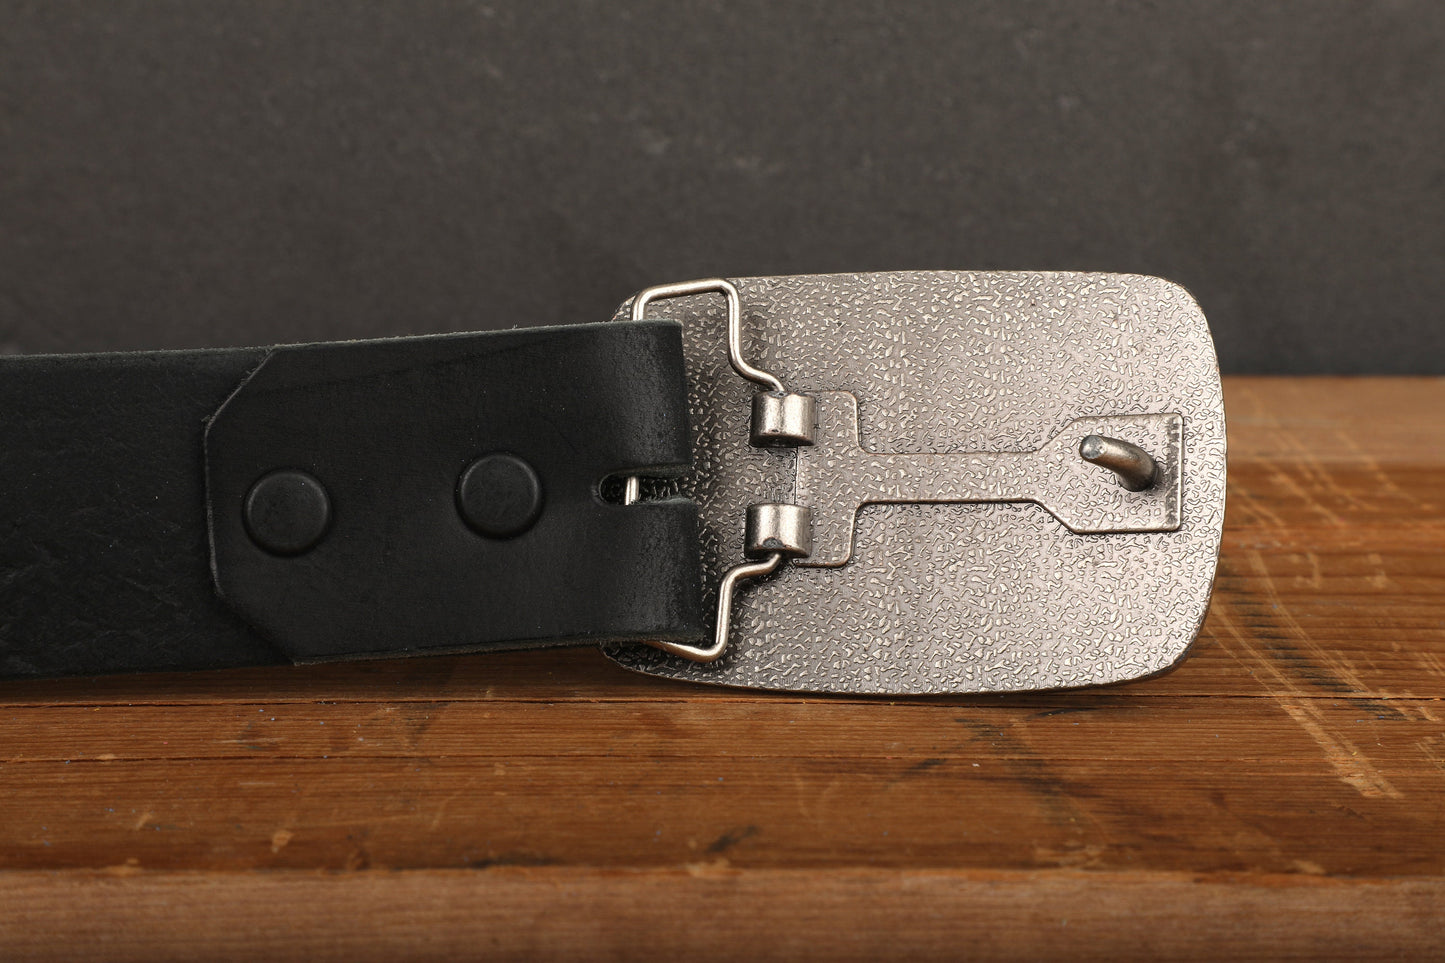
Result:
[390,427]
[104,558]
[104,563]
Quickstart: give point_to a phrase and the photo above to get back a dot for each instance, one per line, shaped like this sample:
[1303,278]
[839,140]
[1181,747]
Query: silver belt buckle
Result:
[945,482]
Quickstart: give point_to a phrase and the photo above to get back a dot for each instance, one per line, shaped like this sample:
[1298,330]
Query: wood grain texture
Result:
[1281,793]
[712,914]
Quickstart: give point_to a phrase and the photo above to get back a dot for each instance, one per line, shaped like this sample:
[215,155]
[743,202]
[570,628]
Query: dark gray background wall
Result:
[187,174]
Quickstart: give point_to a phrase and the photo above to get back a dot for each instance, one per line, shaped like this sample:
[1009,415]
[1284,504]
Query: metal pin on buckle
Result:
[989,481]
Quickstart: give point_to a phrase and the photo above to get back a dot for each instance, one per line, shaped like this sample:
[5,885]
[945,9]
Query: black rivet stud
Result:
[499,496]
[287,512]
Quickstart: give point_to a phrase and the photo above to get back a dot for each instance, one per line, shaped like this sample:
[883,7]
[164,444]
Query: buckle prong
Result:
[1136,468]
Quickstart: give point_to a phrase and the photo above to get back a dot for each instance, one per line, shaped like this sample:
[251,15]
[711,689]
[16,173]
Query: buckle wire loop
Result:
[780,418]
[728,290]
[736,574]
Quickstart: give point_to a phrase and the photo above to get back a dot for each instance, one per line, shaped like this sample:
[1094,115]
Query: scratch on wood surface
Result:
[1351,765]
[1417,710]
[1433,749]
[1327,659]
[1432,663]
[1383,480]
[145,817]
[130,868]
[467,788]
[1379,578]
[1306,461]
[1316,578]
[1072,855]
[808,794]
[1281,475]
[712,867]
[1240,496]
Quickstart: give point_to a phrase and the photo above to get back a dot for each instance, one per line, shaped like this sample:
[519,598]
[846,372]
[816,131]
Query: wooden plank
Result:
[1361,422]
[1195,784]
[1284,787]
[705,914]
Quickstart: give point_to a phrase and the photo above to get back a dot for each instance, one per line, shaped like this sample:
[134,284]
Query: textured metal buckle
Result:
[981,481]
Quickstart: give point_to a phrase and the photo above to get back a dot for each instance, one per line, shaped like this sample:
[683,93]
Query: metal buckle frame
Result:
[1004,395]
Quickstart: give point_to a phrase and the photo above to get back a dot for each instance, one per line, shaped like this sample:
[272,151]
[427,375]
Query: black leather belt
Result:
[982,481]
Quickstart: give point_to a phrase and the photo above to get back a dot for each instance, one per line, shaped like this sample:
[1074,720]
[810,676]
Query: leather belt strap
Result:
[205,509]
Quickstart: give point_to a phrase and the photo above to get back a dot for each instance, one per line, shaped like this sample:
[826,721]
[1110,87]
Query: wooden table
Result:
[1281,794]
